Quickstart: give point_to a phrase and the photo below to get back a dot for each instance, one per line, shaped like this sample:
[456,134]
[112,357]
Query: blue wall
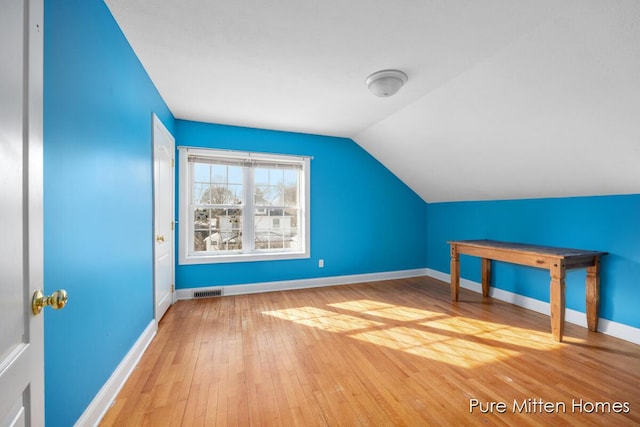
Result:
[98,235]
[363,218]
[606,223]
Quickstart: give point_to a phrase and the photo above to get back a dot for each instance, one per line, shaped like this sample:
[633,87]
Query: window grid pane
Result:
[276,229]
[217,184]
[276,187]
[217,229]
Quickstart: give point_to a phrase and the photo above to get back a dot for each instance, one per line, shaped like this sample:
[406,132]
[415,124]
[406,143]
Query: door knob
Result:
[56,300]
[159,238]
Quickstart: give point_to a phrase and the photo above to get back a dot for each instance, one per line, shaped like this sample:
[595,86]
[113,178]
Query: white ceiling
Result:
[505,98]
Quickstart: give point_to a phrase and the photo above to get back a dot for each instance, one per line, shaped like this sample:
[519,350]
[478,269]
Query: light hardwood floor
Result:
[387,353]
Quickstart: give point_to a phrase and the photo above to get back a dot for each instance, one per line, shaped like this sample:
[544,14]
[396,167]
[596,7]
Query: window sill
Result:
[219,259]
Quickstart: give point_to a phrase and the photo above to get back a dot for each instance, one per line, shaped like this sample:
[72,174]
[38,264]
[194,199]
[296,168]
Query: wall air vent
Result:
[208,293]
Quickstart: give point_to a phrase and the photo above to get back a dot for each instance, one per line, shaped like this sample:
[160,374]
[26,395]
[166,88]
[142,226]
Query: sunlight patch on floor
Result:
[454,340]
[482,329]
[442,348]
[323,319]
[388,311]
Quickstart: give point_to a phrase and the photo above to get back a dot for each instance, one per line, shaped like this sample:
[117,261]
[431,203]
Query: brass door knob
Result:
[160,238]
[56,300]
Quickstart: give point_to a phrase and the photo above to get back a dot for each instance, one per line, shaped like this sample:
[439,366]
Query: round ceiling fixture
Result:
[385,83]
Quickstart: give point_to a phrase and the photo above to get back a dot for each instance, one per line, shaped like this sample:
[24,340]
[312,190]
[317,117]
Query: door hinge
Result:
[173,162]
[172,224]
[173,288]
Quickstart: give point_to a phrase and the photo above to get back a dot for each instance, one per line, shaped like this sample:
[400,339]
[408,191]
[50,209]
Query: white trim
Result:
[109,391]
[284,285]
[248,231]
[608,327]
[248,257]
[185,216]
[239,154]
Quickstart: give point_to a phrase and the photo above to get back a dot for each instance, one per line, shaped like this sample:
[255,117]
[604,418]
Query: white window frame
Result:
[186,219]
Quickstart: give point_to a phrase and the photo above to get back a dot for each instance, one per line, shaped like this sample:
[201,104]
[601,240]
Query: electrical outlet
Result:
[321,263]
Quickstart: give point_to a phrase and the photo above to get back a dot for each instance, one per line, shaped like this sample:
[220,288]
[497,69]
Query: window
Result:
[238,206]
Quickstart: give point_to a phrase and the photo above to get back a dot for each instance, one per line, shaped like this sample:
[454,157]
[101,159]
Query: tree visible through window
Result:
[240,206]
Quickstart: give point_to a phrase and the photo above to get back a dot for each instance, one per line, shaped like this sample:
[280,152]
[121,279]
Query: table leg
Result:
[486,276]
[455,273]
[593,295]
[557,299]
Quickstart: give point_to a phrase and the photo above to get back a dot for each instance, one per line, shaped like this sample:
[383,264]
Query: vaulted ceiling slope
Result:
[505,99]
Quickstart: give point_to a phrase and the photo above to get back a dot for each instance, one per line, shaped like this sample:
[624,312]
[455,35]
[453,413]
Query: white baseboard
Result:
[107,394]
[615,329]
[284,285]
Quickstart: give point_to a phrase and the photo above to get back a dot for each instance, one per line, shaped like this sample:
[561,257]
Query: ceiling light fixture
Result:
[385,83]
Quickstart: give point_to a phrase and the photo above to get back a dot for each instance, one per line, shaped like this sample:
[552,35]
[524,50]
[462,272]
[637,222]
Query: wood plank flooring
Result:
[392,353]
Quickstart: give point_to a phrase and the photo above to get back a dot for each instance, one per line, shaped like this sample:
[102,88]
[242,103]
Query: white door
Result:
[21,334]
[163,201]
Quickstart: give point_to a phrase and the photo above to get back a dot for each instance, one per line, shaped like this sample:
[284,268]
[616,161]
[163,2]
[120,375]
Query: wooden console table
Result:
[556,260]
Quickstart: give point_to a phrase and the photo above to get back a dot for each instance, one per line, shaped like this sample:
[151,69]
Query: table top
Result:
[527,248]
